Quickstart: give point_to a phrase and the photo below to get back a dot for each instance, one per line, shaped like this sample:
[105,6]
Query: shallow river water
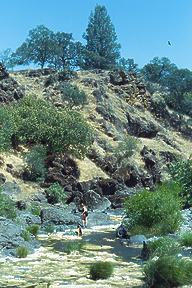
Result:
[50,267]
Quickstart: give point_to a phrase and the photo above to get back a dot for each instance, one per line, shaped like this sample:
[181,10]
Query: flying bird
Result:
[169,43]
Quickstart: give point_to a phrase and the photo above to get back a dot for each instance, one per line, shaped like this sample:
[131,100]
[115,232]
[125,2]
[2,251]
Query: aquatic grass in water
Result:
[25,235]
[101,270]
[49,228]
[33,229]
[21,252]
[69,246]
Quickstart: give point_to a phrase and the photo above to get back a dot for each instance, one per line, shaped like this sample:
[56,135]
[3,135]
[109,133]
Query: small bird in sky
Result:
[169,43]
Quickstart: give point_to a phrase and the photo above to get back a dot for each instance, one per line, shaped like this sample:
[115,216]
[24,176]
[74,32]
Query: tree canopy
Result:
[177,82]
[35,121]
[102,49]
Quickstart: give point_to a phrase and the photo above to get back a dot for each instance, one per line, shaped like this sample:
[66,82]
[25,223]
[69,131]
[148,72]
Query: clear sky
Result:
[143,26]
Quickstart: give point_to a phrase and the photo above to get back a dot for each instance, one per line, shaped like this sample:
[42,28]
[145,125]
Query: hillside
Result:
[118,105]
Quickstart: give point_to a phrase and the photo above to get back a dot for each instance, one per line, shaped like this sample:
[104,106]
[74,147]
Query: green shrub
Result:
[26,235]
[70,246]
[164,246]
[36,121]
[73,95]
[158,211]
[33,229]
[186,239]
[167,272]
[35,209]
[101,270]
[49,229]
[55,194]
[35,160]
[21,252]
[181,172]
[7,128]
[7,207]
[125,149]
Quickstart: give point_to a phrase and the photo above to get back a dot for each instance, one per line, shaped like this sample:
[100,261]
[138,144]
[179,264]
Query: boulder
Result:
[141,127]
[118,77]
[108,186]
[151,163]
[3,72]
[2,178]
[10,234]
[138,239]
[98,218]
[63,170]
[95,202]
[11,189]
[26,218]
[10,90]
[58,216]
[10,237]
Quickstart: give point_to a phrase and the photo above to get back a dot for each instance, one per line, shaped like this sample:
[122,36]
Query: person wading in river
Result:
[84,215]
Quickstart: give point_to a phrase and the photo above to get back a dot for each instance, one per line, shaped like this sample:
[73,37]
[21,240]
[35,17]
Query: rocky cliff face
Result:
[10,90]
[118,105]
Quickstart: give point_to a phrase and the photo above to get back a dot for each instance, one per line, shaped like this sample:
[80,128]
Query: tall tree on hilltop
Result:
[37,48]
[102,49]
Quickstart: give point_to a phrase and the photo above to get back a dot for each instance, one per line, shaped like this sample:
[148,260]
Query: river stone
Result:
[10,234]
[95,201]
[103,205]
[58,216]
[27,218]
[11,189]
[137,239]
[98,218]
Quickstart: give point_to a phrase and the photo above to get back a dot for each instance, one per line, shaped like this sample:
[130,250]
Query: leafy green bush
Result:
[35,209]
[7,128]
[35,160]
[73,95]
[55,194]
[36,121]
[186,239]
[33,229]
[181,171]
[7,207]
[167,272]
[25,235]
[164,246]
[21,252]
[156,211]
[101,270]
[125,149]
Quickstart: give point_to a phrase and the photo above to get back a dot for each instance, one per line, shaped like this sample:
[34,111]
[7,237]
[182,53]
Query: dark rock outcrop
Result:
[151,164]
[95,202]
[63,170]
[58,216]
[140,127]
[10,90]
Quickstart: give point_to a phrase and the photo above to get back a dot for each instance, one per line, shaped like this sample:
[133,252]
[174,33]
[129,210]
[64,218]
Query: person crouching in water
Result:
[79,231]
[84,215]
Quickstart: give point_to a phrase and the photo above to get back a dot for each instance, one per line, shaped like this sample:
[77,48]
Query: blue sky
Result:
[143,26]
